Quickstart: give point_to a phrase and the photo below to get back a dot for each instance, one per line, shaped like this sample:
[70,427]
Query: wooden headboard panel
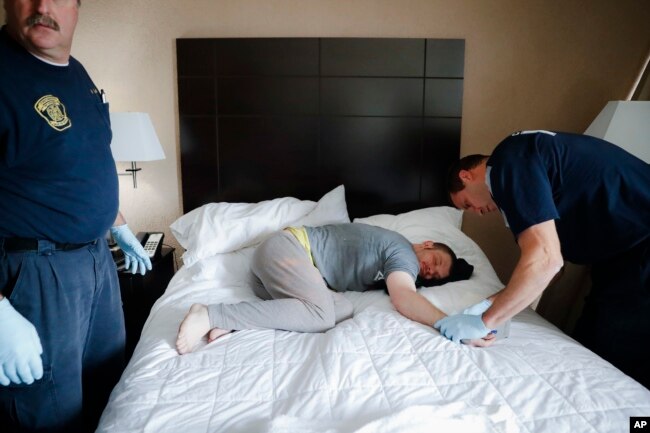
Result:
[263,118]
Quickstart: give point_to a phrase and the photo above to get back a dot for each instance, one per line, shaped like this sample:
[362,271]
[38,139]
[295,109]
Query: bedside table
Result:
[139,293]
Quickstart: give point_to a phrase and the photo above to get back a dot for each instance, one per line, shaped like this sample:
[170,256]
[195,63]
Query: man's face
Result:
[44,27]
[475,197]
[434,264]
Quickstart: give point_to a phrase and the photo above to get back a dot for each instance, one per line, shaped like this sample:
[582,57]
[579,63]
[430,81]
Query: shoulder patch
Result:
[53,111]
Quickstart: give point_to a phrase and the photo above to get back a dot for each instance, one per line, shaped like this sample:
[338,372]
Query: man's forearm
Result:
[416,307]
[525,286]
[539,262]
[412,305]
[408,302]
[119,220]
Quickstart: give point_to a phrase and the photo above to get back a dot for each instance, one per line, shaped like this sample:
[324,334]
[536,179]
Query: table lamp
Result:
[134,139]
[626,124]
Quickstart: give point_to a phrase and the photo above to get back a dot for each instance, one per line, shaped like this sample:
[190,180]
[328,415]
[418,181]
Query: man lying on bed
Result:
[302,270]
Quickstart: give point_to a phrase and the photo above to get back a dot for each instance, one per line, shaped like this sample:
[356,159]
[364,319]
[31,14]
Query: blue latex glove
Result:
[20,348]
[478,309]
[462,327]
[135,257]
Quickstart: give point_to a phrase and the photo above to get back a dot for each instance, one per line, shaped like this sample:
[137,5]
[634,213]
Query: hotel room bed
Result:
[264,119]
[375,372]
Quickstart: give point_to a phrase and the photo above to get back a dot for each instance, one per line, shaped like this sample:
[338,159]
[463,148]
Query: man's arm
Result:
[408,302]
[412,305]
[541,258]
[119,220]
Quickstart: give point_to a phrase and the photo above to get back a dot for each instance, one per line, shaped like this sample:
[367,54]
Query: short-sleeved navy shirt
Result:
[57,175]
[597,193]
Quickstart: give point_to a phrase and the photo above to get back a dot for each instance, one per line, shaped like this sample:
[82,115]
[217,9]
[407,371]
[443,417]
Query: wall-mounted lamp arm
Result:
[132,172]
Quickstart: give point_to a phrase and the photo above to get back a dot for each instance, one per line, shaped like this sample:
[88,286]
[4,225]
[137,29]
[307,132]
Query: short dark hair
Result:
[454,183]
[459,270]
[445,248]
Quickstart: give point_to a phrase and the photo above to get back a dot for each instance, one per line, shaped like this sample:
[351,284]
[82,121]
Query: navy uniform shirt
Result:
[57,176]
[597,193]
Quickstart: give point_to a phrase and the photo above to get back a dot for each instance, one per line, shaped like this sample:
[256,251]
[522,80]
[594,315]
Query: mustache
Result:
[43,20]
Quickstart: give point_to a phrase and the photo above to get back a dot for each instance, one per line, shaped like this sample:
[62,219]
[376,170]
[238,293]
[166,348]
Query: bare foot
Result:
[193,327]
[216,333]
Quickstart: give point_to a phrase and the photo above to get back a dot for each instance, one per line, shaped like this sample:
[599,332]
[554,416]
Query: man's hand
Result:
[462,327]
[20,348]
[478,309]
[481,342]
[135,258]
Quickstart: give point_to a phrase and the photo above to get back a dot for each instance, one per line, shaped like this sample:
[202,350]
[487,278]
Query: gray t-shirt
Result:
[358,256]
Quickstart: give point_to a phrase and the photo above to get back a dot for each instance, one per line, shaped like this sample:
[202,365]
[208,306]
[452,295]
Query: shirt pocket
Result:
[102,108]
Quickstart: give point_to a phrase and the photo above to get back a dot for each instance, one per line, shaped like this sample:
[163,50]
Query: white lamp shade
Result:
[134,138]
[626,124]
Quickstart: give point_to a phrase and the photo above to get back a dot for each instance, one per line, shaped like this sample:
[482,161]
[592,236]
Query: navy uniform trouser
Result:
[73,300]
[615,322]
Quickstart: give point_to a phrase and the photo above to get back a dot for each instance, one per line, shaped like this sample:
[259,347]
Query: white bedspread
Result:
[377,372]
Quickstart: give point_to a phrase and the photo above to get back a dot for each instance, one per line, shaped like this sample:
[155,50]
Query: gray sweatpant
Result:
[295,295]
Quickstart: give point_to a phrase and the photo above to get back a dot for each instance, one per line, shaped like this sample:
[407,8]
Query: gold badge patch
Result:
[53,111]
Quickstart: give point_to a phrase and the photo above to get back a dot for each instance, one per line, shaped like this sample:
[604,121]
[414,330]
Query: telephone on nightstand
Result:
[151,241]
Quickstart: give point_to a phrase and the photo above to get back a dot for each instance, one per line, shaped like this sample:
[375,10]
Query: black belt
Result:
[30,245]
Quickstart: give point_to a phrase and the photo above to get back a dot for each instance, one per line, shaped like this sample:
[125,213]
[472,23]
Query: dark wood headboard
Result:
[262,118]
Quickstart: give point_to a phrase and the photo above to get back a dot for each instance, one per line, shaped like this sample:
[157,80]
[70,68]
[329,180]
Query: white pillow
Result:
[330,209]
[217,228]
[419,225]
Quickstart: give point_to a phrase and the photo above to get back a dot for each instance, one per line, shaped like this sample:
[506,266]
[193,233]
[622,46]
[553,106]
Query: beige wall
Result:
[530,64]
